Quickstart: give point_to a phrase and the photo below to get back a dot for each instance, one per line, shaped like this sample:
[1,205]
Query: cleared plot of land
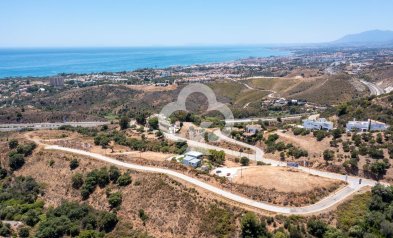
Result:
[325,90]
[152,88]
[251,96]
[308,142]
[237,92]
[321,89]
[274,84]
[281,179]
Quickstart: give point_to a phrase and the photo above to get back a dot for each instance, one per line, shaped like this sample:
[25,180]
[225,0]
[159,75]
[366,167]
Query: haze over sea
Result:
[47,62]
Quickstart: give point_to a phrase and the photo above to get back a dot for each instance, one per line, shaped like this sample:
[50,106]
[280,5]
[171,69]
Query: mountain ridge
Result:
[371,36]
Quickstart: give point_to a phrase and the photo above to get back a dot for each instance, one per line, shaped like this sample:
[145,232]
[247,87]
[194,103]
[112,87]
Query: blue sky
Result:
[70,23]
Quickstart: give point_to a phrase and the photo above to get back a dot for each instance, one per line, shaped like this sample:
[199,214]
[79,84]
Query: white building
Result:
[318,124]
[193,159]
[253,129]
[378,126]
[364,126]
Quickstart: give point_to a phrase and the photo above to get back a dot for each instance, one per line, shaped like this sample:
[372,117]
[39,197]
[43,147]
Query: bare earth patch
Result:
[281,179]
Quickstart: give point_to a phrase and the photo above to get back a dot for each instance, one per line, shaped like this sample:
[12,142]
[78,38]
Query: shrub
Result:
[218,222]
[328,155]
[102,177]
[114,173]
[107,221]
[16,161]
[320,134]
[74,164]
[153,123]
[244,161]
[124,180]
[115,199]
[77,181]
[252,227]
[124,123]
[216,157]
[27,149]
[23,232]
[143,216]
[13,143]
[3,173]
[316,228]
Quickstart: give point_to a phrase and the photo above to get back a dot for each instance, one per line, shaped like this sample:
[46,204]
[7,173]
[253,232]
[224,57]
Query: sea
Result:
[37,62]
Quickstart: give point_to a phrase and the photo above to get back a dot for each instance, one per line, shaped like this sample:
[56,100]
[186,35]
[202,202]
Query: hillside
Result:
[373,37]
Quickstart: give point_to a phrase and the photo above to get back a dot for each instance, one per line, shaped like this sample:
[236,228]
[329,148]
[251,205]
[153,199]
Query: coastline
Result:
[16,63]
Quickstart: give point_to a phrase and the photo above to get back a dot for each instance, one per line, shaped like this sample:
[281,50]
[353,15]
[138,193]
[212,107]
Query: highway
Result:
[245,120]
[48,125]
[374,89]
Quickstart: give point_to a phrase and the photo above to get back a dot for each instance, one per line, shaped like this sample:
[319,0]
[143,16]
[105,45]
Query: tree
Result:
[328,155]
[252,227]
[124,122]
[77,181]
[5,230]
[379,138]
[316,228]
[13,143]
[104,128]
[16,161]
[102,140]
[378,168]
[3,173]
[23,232]
[336,133]
[244,161]
[387,229]
[140,119]
[375,153]
[342,109]
[115,199]
[320,134]
[102,177]
[217,157]
[153,123]
[107,221]
[114,173]
[74,164]
[124,180]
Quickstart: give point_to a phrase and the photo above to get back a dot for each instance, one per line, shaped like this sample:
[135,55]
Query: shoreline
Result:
[22,62]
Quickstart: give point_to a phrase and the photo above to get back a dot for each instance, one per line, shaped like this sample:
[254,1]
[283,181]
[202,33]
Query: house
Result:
[318,124]
[252,130]
[364,126]
[280,102]
[193,159]
[378,126]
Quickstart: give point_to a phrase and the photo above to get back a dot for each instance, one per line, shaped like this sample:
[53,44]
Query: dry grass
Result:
[274,84]
[282,179]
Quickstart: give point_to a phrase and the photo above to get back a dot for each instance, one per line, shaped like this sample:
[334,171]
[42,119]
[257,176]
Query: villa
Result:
[364,126]
[193,159]
[318,124]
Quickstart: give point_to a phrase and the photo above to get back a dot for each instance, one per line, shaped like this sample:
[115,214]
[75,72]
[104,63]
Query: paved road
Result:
[374,89]
[245,120]
[353,182]
[317,207]
[40,126]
